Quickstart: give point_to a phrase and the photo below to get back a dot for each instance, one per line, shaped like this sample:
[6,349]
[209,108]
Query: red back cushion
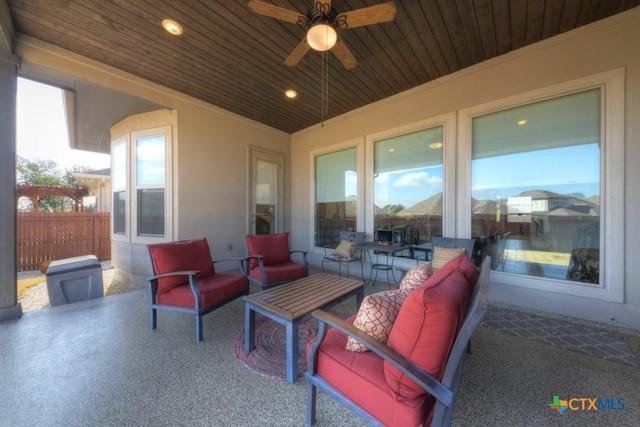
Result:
[180,256]
[274,248]
[426,327]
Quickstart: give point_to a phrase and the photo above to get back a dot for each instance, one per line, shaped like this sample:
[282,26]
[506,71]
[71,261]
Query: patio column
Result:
[9,306]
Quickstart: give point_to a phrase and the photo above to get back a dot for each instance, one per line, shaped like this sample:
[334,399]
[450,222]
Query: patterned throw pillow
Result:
[376,316]
[416,277]
[344,249]
[442,255]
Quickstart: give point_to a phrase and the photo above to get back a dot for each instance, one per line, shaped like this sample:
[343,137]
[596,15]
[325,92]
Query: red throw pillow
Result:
[180,256]
[426,327]
[274,248]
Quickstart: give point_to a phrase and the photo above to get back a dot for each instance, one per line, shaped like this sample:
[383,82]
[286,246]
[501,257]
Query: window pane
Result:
[407,186]
[150,166]
[536,187]
[120,166]
[336,195]
[119,212]
[151,212]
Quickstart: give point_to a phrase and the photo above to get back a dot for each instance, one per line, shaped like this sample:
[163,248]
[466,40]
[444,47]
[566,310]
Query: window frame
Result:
[358,144]
[611,85]
[123,237]
[168,206]
[448,122]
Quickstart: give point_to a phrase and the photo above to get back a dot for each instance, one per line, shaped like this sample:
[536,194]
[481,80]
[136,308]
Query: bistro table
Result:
[387,251]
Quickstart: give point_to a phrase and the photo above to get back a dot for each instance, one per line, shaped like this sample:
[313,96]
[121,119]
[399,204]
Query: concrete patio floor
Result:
[98,363]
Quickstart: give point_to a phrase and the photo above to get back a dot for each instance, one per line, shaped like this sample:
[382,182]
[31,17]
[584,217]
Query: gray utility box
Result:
[74,279]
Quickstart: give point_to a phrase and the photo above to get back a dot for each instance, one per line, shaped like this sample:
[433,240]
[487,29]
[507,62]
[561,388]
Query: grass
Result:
[24,284]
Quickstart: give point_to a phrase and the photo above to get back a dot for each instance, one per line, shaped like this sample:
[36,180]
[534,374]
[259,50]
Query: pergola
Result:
[38,192]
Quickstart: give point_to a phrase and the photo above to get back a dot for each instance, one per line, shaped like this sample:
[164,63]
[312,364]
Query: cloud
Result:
[418,179]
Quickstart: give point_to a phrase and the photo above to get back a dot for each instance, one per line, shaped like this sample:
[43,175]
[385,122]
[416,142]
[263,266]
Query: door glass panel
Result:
[536,187]
[266,196]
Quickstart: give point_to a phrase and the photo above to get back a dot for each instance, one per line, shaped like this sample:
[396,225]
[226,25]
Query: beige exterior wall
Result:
[211,167]
[210,159]
[603,46]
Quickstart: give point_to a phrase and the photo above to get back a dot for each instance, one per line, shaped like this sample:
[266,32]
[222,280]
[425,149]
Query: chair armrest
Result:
[406,366]
[304,256]
[174,273]
[259,258]
[191,274]
[243,263]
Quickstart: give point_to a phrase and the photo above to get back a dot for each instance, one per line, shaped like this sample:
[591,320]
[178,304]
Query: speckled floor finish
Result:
[97,363]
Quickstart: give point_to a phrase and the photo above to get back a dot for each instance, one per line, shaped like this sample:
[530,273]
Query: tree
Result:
[46,173]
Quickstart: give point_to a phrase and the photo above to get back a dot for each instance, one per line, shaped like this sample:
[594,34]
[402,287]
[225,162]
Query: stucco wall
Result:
[605,45]
[210,159]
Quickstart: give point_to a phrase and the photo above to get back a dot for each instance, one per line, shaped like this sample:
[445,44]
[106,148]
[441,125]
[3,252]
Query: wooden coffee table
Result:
[290,303]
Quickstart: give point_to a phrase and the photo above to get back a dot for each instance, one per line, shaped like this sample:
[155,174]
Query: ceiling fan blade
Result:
[343,53]
[384,12]
[272,11]
[298,52]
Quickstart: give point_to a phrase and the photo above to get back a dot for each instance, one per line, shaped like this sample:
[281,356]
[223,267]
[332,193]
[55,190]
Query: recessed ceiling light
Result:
[391,150]
[522,122]
[290,93]
[172,27]
[435,145]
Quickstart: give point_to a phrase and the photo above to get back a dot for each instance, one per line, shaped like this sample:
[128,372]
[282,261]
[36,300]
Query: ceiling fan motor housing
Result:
[316,16]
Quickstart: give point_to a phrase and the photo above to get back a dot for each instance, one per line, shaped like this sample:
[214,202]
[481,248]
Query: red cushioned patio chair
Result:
[413,379]
[185,280]
[270,261]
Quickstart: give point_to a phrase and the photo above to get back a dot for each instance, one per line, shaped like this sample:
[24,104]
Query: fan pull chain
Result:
[324,107]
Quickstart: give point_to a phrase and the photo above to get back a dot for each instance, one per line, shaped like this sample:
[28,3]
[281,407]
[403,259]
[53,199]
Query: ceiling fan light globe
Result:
[322,37]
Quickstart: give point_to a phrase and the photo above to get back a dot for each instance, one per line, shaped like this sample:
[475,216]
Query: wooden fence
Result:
[44,236]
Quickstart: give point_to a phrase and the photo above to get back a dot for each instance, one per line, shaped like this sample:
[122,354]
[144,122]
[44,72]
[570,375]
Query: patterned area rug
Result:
[269,357]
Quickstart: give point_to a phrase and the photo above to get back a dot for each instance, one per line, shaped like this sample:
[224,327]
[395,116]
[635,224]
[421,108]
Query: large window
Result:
[336,195]
[536,187]
[408,186]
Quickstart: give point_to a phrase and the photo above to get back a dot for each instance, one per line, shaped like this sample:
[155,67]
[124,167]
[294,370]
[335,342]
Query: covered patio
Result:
[98,363]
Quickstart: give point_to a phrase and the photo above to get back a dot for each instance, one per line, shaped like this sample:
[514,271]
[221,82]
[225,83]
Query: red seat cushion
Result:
[426,327]
[282,272]
[360,377]
[273,247]
[213,289]
[180,256]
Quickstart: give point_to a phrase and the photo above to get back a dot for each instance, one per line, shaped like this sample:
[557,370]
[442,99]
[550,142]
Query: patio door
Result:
[265,192]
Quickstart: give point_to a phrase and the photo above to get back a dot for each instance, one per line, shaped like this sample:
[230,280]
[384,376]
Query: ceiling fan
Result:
[323,21]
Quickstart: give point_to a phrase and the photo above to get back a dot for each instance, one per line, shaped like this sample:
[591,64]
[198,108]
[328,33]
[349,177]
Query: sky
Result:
[41,130]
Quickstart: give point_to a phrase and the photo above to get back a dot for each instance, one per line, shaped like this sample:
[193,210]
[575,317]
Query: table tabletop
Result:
[299,298]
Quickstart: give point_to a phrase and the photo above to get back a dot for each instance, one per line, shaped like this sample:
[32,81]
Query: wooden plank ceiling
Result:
[233,58]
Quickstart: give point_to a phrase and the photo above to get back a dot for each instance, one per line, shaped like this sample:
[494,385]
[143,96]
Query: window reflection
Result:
[536,187]
[336,196]
[407,187]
